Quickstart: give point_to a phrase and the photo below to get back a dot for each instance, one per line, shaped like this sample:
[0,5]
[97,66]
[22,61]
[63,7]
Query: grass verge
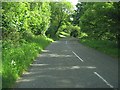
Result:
[16,60]
[108,47]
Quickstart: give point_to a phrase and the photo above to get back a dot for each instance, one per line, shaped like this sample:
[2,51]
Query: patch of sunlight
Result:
[24,80]
[31,72]
[90,67]
[70,67]
[62,36]
[55,55]
[77,67]
[39,64]
[49,39]
[26,73]
[48,76]
[64,33]
[58,68]
[45,51]
[56,41]
[83,35]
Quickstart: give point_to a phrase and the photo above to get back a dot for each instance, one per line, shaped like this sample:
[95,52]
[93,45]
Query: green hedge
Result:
[106,46]
[15,60]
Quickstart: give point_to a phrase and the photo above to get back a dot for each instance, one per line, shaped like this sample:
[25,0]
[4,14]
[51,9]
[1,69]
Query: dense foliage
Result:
[26,27]
[104,46]
[99,23]
[69,30]
[98,20]
[23,25]
[60,12]
[17,59]
[20,18]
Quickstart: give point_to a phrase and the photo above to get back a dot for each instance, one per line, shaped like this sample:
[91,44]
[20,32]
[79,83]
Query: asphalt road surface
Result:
[69,64]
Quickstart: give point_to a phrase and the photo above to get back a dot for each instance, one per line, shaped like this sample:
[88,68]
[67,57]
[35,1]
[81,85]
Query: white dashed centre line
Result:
[77,56]
[103,80]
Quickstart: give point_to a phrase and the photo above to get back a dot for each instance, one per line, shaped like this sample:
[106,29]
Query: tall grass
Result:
[105,46]
[17,59]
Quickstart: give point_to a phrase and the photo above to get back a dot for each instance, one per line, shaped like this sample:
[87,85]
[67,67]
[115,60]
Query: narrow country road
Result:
[69,64]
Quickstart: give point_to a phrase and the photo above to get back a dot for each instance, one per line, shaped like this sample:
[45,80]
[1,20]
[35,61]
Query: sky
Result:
[74,2]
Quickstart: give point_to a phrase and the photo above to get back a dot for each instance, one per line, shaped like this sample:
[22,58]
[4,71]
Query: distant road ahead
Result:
[69,64]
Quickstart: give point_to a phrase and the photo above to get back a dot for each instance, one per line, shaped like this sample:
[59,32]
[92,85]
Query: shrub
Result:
[17,59]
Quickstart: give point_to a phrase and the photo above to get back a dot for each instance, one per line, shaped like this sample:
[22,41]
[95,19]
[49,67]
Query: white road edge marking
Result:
[103,80]
[78,56]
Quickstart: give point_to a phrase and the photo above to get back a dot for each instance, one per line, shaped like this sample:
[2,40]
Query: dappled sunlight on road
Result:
[85,67]
[25,80]
[56,41]
[45,51]
[61,67]
[55,55]
[60,76]
[38,64]
[58,66]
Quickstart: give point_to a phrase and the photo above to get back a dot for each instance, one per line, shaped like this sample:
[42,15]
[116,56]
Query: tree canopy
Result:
[98,19]
[26,27]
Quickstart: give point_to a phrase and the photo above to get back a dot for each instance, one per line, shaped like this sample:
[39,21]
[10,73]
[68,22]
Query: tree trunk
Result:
[58,26]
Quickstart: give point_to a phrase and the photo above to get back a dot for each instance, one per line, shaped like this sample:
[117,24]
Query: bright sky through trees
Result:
[74,2]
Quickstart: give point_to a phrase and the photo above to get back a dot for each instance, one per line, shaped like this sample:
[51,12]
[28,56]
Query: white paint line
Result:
[66,42]
[78,56]
[103,80]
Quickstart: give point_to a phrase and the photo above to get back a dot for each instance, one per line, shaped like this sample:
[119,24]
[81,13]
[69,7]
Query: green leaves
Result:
[23,27]
[15,60]
[97,19]
[27,16]
[60,12]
